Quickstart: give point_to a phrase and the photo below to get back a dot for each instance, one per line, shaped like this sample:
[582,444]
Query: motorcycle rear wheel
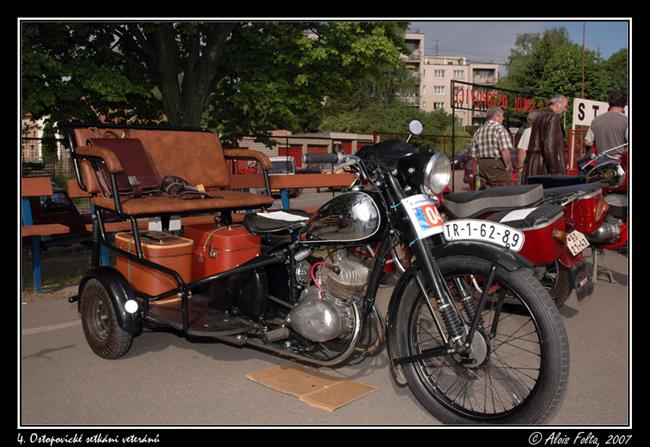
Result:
[523,376]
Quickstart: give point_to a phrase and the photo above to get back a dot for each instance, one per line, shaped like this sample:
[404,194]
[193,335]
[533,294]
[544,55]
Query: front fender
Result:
[505,259]
[120,291]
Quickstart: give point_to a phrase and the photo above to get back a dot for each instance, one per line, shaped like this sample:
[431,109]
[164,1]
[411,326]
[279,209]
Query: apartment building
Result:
[413,60]
[435,74]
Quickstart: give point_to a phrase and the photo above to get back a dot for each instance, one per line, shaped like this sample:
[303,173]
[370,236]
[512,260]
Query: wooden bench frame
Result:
[37,187]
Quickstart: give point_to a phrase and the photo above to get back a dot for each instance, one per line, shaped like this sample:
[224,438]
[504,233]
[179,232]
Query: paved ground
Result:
[165,379]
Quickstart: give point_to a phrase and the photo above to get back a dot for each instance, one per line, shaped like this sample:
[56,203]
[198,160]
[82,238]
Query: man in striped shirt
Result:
[491,146]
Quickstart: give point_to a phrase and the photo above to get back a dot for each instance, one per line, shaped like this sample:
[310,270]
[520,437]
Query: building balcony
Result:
[485,80]
[410,100]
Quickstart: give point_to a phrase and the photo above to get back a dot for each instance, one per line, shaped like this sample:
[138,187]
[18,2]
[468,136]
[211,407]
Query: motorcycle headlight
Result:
[428,170]
[437,172]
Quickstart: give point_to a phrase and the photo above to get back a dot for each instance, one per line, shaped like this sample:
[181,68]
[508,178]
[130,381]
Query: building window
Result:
[439,90]
[439,74]
[438,106]
[459,74]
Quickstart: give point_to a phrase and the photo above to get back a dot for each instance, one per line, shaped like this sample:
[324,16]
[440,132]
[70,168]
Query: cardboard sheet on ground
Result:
[310,386]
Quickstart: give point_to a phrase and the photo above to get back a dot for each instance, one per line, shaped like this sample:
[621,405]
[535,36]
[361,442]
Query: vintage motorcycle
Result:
[469,330]
[554,222]
[610,173]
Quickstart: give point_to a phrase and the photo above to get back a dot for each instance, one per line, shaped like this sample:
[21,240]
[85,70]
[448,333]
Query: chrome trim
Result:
[308,225]
[356,333]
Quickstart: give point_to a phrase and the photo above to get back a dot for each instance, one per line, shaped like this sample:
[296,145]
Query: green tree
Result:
[393,119]
[237,77]
[563,74]
[526,64]
[615,71]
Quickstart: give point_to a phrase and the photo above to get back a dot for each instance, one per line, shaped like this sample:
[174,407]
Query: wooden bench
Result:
[37,187]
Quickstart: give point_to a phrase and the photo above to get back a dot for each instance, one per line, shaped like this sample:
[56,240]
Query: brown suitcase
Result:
[219,249]
[162,248]
[139,175]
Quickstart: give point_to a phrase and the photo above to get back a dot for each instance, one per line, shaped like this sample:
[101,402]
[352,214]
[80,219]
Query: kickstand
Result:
[595,251]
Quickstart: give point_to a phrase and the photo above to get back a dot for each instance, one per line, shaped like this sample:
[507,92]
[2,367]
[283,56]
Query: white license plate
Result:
[484,231]
[576,242]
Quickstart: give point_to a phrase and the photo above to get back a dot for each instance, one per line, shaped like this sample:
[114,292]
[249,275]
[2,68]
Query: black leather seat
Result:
[555,180]
[473,204]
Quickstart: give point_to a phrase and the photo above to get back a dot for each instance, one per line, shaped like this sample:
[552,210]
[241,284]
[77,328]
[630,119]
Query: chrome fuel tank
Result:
[350,217]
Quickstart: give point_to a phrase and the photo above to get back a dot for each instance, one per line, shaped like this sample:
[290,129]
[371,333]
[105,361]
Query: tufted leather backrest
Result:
[192,155]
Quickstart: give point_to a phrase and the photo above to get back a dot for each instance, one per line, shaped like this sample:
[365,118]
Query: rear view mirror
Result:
[415,127]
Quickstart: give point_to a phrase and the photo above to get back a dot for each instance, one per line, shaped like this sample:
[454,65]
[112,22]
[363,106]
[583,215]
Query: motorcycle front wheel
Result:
[520,361]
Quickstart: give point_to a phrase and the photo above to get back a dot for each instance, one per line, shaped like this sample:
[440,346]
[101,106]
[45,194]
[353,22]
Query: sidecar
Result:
[204,277]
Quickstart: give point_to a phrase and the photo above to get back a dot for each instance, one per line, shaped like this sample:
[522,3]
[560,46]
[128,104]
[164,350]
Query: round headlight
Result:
[437,172]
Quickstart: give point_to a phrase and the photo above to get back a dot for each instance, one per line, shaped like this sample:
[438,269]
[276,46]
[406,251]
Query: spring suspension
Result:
[453,323]
[468,301]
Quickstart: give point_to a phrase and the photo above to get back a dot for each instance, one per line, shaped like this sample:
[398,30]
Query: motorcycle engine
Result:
[324,315]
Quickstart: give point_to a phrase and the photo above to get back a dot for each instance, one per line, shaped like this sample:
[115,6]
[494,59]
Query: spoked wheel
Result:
[103,333]
[517,370]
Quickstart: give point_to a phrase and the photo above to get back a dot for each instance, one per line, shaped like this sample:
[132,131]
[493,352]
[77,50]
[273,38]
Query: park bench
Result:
[37,187]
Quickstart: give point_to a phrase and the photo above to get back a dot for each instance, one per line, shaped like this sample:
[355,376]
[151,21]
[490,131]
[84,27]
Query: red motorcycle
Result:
[611,173]
[553,221]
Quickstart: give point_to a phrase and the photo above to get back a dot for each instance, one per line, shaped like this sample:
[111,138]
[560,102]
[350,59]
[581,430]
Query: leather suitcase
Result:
[159,247]
[139,174]
[219,249]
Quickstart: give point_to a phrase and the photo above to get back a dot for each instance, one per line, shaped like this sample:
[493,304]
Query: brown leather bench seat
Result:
[194,155]
[162,205]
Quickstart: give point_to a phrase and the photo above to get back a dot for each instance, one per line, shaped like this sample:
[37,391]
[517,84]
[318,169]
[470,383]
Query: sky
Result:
[491,41]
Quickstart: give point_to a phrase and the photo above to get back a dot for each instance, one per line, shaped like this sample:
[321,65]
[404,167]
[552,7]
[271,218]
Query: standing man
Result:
[524,141]
[491,145]
[609,130]
[545,154]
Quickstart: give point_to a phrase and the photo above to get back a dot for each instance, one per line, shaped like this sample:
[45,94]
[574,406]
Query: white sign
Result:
[585,110]
[423,214]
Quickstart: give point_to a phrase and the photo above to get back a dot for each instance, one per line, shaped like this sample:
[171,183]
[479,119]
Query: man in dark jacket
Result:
[545,153]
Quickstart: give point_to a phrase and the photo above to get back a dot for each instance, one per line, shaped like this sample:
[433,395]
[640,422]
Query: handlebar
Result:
[324,158]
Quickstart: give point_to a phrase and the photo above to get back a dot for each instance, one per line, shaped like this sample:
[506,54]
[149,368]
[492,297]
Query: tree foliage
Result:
[548,63]
[240,77]
[393,119]
[615,71]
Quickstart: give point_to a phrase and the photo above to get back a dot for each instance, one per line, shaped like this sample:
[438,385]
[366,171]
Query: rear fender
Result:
[120,291]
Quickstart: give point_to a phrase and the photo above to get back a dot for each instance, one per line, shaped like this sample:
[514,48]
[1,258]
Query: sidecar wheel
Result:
[103,333]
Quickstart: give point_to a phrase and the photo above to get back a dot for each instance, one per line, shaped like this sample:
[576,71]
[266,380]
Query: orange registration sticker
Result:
[424,215]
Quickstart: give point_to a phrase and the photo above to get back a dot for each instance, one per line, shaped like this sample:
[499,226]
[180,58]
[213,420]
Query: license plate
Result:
[484,231]
[424,215]
[576,242]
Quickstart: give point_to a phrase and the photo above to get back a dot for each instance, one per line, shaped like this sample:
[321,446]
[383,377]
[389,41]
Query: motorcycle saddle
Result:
[565,191]
[556,180]
[473,204]
[275,222]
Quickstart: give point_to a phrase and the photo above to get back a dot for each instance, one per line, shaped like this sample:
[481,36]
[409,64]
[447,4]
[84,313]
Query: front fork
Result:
[460,336]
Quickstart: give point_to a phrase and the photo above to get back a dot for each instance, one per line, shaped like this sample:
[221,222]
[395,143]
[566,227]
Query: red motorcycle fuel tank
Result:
[544,229]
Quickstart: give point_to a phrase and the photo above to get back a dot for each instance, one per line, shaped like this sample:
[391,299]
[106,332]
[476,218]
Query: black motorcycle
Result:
[472,333]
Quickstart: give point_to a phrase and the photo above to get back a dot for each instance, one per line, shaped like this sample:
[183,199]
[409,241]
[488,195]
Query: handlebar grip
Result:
[321,158]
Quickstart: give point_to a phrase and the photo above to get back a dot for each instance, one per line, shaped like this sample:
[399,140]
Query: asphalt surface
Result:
[168,380]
